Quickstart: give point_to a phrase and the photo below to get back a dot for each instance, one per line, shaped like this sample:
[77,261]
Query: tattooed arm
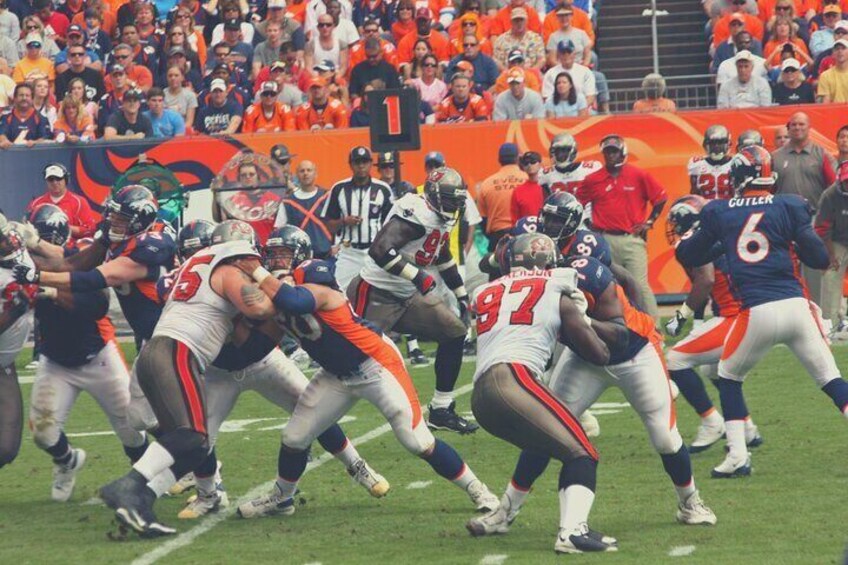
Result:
[239,288]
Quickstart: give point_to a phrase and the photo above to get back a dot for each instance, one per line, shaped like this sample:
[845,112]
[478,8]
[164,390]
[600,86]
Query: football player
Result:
[253,361]
[15,325]
[749,137]
[762,236]
[704,344]
[520,317]
[357,361]
[565,173]
[209,292]
[709,175]
[397,288]
[132,252]
[78,353]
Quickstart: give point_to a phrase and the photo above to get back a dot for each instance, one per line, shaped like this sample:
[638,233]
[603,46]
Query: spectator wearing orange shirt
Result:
[785,32]
[404,21]
[424,30]
[502,22]
[371,28]
[321,112]
[462,105]
[721,31]
[138,76]
[268,115]
[653,87]
[532,78]
[766,9]
[471,8]
[469,24]
[33,62]
[579,19]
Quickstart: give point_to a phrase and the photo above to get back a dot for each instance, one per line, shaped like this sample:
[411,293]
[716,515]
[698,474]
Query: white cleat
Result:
[65,476]
[584,540]
[733,467]
[271,504]
[375,483]
[495,522]
[186,483]
[694,512]
[482,497]
[752,435]
[590,424]
[301,358]
[707,435]
[200,505]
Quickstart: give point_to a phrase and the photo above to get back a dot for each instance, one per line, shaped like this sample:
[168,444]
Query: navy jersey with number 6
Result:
[762,236]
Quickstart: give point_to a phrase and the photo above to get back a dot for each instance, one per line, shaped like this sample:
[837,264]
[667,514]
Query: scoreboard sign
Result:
[394,119]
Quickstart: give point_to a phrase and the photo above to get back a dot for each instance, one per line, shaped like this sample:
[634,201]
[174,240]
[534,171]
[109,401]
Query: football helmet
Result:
[193,237]
[751,168]
[683,216]
[716,142]
[749,137]
[12,247]
[560,217]
[446,193]
[286,248]
[563,149]
[528,251]
[51,223]
[234,230]
[131,211]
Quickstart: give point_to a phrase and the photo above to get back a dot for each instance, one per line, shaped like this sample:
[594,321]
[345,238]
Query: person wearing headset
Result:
[82,218]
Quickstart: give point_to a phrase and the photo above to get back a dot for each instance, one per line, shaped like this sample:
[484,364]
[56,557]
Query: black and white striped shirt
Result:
[370,202]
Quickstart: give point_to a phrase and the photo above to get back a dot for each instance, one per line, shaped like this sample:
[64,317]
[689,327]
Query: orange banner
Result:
[660,143]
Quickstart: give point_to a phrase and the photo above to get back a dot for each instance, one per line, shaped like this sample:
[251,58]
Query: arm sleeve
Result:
[696,249]
[294,299]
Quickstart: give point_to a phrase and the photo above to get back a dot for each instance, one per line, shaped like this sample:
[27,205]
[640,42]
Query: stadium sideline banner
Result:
[660,143]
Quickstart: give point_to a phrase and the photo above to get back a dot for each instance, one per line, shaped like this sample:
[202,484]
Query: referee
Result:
[354,212]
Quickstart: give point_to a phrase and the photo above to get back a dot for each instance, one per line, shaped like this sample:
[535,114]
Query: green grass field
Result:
[792,510]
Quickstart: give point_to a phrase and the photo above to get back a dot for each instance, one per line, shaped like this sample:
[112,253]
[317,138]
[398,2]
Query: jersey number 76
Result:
[489,303]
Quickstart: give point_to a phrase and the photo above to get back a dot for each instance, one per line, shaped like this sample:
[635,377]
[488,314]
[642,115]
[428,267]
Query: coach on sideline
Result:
[832,225]
[619,194]
[82,219]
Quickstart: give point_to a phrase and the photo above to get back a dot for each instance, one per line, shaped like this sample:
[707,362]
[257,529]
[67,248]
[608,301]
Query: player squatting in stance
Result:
[208,294]
[78,352]
[357,361]
[253,361]
[15,325]
[635,365]
[520,317]
[704,343]
[132,251]
[398,290]
[760,235]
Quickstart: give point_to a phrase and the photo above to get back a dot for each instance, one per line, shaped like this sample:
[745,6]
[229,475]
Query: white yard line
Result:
[682,551]
[494,559]
[187,538]
[416,485]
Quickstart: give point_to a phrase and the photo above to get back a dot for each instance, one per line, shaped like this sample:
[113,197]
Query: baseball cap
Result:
[842,172]
[564,10]
[74,30]
[832,8]
[516,74]
[218,84]
[518,14]
[268,86]
[386,158]
[132,94]
[232,24]
[359,153]
[279,65]
[614,141]
[281,154]
[54,172]
[737,17]
[422,14]
[176,50]
[515,55]
[566,46]
[33,39]
[790,64]
[116,68]
[325,66]
[743,55]
[529,157]
[317,81]
[277,4]
[221,67]
[434,159]
[465,66]
[841,25]
[842,42]
[508,152]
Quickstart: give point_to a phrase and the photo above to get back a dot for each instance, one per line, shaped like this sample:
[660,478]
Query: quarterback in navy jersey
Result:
[762,237]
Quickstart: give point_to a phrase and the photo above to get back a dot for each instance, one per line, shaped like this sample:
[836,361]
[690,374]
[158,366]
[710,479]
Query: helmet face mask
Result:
[193,237]
[446,194]
[563,149]
[52,224]
[130,212]
[560,217]
[11,247]
[279,260]
[683,216]
[716,142]
[287,248]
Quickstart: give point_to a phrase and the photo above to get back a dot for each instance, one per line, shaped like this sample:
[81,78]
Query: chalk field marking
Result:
[494,559]
[187,538]
[682,551]
[418,485]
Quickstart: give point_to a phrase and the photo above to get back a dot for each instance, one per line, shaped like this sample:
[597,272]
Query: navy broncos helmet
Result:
[131,211]
[193,237]
[52,224]
[683,216]
[286,248]
[528,251]
[560,217]
[752,167]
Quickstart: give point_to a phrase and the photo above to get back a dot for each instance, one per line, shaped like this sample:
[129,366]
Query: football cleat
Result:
[65,476]
[707,435]
[271,504]
[301,358]
[481,496]
[495,522]
[133,505]
[733,467]
[469,348]
[584,540]
[417,358]
[752,435]
[590,424]
[375,483]
[200,505]
[448,419]
[694,512]
[186,483]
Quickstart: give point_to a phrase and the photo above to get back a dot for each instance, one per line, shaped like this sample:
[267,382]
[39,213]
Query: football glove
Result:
[424,282]
[26,274]
[465,310]
[28,233]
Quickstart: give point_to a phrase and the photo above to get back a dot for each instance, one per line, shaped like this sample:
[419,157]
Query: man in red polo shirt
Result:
[619,194]
[82,219]
[528,197]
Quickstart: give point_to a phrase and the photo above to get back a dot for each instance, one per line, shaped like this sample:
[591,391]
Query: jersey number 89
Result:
[752,246]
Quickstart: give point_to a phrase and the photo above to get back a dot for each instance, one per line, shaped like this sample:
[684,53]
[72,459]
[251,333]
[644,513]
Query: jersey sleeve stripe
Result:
[189,386]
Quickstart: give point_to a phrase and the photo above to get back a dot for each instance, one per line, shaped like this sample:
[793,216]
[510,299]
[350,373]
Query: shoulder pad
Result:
[411,207]
[153,248]
[316,271]
[593,276]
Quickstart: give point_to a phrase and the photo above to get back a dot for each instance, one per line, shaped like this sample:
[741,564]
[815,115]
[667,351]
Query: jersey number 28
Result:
[489,303]
[752,246]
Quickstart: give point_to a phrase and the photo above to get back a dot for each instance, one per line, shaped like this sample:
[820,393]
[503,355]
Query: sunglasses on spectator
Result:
[783,8]
[76,54]
[122,57]
[429,65]
[404,9]
[325,25]
[269,94]
[370,30]
[469,45]
[469,24]
[32,28]
[474,8]
[175,33]
[183,17]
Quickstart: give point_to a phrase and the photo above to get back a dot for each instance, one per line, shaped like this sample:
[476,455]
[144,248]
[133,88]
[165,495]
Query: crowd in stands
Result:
[767,52]
[77,70]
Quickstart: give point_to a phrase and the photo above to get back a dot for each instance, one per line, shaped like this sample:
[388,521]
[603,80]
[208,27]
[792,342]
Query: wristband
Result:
[259,274]
[409,272]
[685,311]
[460,292]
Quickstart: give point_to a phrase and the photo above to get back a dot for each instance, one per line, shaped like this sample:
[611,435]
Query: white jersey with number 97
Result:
[518,319]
